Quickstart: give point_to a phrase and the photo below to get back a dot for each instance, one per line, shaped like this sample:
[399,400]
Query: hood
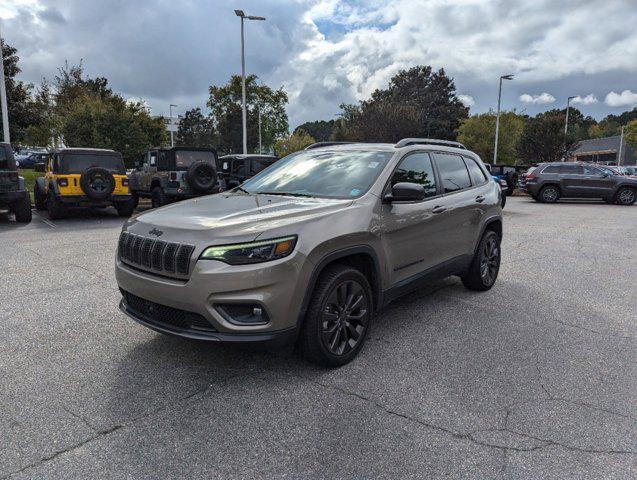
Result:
[233,216]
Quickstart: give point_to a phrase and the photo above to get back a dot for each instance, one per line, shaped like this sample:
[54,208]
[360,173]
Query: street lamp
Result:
[240,13]
[568,106]
[172,142]
[3,97]
[497,118]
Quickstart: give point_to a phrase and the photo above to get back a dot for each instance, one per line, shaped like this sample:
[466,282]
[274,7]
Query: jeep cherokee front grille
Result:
[154,254]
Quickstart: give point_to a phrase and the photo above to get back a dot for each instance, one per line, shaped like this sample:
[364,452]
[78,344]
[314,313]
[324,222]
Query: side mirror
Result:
[405,192]
[605,174]
[39,167]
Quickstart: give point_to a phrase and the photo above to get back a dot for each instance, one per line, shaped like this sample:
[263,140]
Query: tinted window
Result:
[416,168]
[571,169]
[185,158]
[592,171]
[237,167]
[453,172]
[259,164]
[476,173]
[321,173]
[551,169]
[79,162]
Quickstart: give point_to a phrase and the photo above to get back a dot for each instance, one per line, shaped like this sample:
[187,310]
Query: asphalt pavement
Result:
[536,378]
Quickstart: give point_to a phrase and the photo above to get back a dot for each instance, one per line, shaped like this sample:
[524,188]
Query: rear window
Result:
[453,172]
[185,158]
[552,169]
[79,162]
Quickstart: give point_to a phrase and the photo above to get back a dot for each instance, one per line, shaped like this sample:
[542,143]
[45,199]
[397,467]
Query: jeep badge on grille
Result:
[157,233]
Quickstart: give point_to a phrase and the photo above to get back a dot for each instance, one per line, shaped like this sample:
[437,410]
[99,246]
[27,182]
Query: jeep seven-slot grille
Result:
[155,254]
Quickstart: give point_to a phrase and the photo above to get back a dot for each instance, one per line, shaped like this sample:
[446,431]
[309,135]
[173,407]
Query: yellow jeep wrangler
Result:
[83,177]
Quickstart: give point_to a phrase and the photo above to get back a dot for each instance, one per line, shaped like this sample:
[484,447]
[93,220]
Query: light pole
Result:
[497,118]
[259,109]
[239,13]
[568,107]
[3,97]
[172,140]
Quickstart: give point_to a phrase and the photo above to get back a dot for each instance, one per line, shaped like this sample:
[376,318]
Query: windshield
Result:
[331,174]
[79,162]
[185,158]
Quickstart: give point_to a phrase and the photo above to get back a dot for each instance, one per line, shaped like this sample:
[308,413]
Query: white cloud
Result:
[467,100]
[589,99]
[624,99]
[541,99]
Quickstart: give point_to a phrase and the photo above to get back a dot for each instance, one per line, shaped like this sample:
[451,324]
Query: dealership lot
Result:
[535,378]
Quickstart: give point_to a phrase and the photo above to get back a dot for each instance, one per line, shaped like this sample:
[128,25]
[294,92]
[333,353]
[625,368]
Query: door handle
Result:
[438,209]
[480,199]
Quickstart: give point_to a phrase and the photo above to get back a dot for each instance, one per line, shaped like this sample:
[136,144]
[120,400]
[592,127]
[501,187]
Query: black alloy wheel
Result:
[345,317]
[490,260]
[550,194]
[626,196]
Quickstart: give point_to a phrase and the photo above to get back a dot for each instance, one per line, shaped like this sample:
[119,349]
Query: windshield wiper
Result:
[286,194]
[239,189]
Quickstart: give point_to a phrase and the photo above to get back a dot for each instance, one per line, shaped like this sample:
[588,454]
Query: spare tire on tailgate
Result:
[202,177]
[97,183]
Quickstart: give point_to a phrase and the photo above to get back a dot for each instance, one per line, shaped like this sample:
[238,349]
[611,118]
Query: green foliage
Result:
[225,105]
[630,134]
[29,179]
[417,103]
[611,124]
[320,130]
[293,143]
[477,133]
[196,130]
[544,140]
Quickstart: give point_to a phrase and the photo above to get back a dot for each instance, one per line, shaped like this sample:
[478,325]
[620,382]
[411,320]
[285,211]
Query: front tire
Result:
[338,317]
[625,196]
[485,265]
[22,209]
[549,194]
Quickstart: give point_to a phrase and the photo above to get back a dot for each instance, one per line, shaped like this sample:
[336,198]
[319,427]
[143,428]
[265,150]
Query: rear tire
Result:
[22,209]
[125,209]
[158,197]
[55,207]
[625,196]
[338,317]
[485,265]
[549,194]
[40,198]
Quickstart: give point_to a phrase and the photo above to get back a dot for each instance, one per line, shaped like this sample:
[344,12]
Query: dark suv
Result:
[313,246]
[548,182]
[13,194]
[236,169]
[168,174]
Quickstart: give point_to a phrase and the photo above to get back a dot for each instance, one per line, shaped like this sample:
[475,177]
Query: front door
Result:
[411,231]
[596,183]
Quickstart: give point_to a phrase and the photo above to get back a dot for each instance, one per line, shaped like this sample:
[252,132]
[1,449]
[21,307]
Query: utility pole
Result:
[172,140]
[3,98]
[621,145]
[497,118]
[568,107]
[259,109]
[243,16]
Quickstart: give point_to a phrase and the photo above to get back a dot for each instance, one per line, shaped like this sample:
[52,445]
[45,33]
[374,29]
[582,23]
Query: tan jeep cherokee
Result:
[309,249]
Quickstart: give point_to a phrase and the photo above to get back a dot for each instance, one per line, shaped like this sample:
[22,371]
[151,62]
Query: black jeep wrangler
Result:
[176,173]
[236,169]
[13,194]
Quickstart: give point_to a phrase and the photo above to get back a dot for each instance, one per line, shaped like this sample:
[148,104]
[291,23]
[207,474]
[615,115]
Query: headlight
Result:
[253,252]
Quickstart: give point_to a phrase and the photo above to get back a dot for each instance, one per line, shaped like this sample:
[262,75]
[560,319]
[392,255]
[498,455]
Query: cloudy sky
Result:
[326,52]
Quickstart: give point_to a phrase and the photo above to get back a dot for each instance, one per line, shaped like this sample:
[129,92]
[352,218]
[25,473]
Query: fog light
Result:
[243,313]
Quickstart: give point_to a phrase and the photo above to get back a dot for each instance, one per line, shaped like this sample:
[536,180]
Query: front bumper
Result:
[278,287]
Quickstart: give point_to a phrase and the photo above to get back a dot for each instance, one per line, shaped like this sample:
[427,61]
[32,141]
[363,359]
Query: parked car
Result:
[32,159]
[169,174]
[236,169]
[509,173]
[13,194]
[504,188]
[310,248]
[25,153]
[548,182]
[83,177]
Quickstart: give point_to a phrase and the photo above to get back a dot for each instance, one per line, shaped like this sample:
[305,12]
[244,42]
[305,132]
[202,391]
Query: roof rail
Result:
[428,141]
[325,144]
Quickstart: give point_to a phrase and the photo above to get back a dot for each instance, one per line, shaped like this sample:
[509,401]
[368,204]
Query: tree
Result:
[477,133]
[225,105]
[543,139]
[22,110]
[630,134]
[88,114]
[417,103]
[293,143]
[320,130]
[611,124]
[196,130]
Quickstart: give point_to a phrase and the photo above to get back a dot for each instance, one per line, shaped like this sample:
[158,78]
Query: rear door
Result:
[458,207]
[410,232]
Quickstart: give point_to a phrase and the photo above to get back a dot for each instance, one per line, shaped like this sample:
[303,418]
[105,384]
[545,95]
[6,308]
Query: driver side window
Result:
[152,159]
[416,168]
